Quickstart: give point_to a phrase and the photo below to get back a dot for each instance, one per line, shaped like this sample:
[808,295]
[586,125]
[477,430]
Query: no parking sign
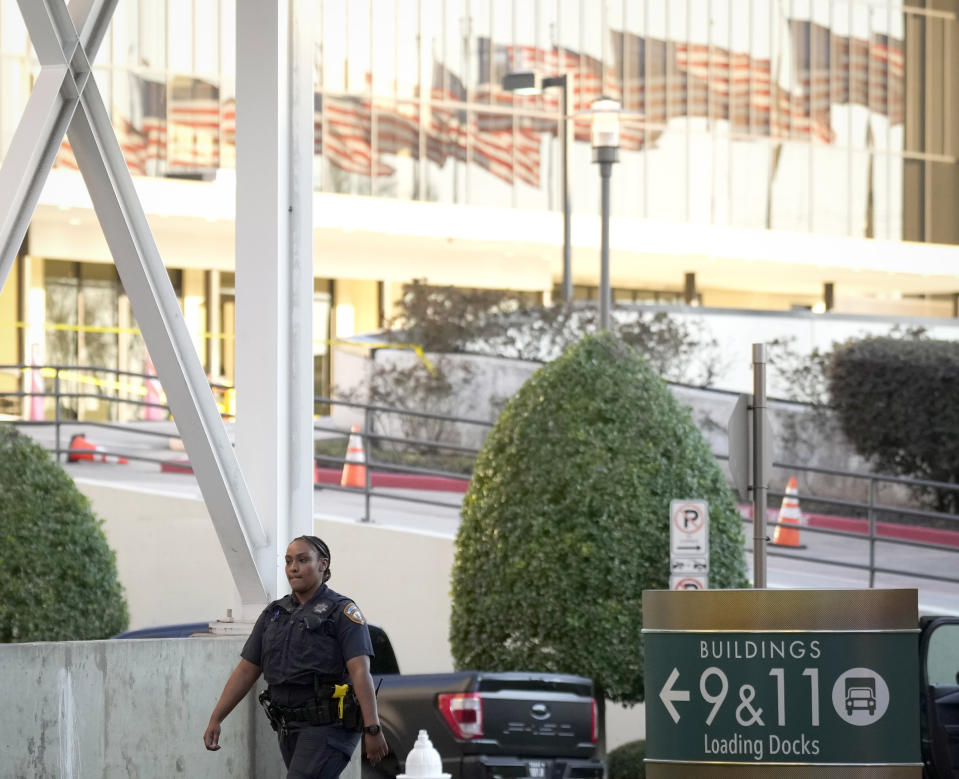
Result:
[688,545]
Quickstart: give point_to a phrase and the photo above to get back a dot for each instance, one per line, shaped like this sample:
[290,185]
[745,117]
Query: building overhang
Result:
[392,240]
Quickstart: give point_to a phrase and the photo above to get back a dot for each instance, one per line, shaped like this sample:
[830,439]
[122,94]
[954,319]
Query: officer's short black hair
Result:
[322,549]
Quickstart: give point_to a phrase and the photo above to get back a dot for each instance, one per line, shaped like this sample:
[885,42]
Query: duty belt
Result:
[338,707]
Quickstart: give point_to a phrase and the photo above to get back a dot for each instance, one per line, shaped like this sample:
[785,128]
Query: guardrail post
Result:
[760,476]
[368,448]
[872,532]
[56,413]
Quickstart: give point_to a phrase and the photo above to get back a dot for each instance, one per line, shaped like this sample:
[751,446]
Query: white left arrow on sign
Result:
[667,695]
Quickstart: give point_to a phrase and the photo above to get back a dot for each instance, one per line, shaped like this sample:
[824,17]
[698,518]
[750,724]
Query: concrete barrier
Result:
[129,708]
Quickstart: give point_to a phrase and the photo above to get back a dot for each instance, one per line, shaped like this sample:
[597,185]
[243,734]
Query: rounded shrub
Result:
[895,400]
[626,761]
[58,577]
[566,520]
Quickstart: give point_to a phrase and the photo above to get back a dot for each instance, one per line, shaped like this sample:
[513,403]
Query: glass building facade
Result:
[800,115]
[826,117]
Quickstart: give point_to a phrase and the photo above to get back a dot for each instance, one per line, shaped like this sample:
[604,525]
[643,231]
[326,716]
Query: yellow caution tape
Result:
[416,348]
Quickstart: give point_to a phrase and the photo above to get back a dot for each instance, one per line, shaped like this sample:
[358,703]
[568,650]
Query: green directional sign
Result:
[738,679]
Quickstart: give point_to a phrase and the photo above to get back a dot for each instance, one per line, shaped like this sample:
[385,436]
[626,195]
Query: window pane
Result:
[385,62]
[491,154]
[152,34]
[333,30]
[445,132]
[942,660]
[358,46]
[207,45]
[411,59]
[397,150]
[194,131]
[538,164]
[139,116]
[181,39]
[344,137]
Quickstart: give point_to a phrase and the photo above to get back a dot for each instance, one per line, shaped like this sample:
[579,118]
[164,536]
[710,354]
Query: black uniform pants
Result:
[316,751]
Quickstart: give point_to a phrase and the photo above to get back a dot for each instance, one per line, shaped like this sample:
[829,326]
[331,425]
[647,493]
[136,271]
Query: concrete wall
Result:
[126,709]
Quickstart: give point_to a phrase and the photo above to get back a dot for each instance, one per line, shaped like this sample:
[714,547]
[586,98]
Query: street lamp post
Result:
[528,83]
[605,142]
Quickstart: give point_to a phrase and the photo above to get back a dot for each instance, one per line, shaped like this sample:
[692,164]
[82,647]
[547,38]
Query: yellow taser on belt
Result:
[339,693]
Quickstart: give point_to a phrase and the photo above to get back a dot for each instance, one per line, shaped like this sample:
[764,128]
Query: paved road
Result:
[438,513]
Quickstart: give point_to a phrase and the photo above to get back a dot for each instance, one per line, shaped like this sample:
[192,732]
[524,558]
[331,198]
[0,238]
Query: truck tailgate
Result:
[537,714]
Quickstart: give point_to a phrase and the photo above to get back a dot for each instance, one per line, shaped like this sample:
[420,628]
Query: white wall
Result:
[168,556]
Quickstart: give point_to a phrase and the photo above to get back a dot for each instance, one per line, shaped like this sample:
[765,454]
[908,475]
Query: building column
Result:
[274,270]
[689,289]
[214,325]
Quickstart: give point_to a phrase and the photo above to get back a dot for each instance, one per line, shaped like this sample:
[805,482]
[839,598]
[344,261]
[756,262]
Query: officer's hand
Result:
[211,738]
[376,747]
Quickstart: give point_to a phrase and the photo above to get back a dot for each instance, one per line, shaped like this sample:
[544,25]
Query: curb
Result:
[406,481]
[860,526]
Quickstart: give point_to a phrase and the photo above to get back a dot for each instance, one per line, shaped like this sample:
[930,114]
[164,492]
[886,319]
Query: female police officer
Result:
[306,644]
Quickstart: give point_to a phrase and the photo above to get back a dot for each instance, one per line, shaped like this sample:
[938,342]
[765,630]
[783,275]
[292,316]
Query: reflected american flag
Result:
[182,126]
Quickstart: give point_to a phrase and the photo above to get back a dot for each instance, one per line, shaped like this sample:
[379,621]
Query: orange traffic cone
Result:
[354,469]
[790,517]
[91,452]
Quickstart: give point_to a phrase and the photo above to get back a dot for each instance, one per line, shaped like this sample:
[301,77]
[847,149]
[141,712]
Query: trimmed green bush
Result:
[58,577]
[566,521]
[896,402]
[626,761]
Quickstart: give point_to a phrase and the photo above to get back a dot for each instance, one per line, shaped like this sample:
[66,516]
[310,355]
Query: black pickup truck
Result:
[487,725]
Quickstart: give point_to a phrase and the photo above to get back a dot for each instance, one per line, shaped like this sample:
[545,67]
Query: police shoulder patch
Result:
[352,611]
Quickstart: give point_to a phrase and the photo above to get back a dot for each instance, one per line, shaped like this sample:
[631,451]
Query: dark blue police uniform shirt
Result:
[296,644]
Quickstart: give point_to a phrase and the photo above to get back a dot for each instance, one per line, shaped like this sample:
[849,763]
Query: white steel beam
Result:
[274,268]
[67,99]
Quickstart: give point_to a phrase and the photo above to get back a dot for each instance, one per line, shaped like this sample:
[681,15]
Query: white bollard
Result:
[423,762]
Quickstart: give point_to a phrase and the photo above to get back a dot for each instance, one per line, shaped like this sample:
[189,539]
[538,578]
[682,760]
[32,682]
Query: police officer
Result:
[307,645]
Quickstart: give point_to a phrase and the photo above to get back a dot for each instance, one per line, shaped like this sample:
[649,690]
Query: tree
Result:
[566,520]
[58,577]
[502,323]
[895,400]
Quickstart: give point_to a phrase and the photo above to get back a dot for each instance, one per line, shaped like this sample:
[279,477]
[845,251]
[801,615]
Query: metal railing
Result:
[63,398]
[393,446]
[867,515]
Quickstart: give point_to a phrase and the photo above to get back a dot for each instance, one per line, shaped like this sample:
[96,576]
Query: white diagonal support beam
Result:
[67,99]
